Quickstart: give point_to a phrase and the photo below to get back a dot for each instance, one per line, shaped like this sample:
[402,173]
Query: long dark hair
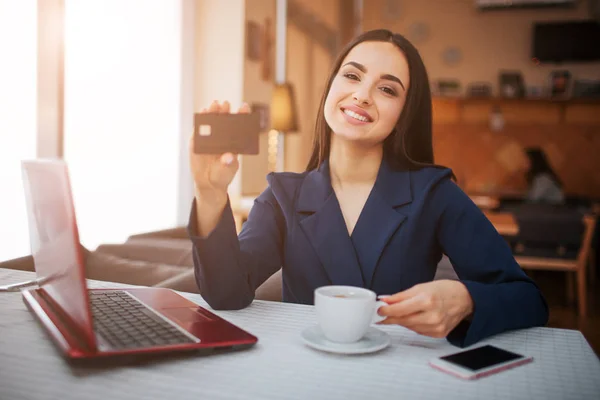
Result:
[409,145]
[539,165]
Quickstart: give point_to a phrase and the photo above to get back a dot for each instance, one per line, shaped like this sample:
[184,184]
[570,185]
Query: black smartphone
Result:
[478,362]
[216,133]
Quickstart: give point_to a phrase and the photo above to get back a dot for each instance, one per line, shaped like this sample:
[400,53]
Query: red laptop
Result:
[98,323]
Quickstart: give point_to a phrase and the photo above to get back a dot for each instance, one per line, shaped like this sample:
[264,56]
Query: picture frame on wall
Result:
[259,47]
[560,84]
[268,51]
[446,87]
[512,84]
[254,41]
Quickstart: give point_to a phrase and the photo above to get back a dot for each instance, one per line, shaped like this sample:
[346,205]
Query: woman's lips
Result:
[356,115]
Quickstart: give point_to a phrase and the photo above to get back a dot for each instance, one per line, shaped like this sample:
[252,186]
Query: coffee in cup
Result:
[345,313]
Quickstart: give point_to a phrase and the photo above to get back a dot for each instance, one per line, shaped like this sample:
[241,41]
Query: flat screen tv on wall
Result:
[560,42]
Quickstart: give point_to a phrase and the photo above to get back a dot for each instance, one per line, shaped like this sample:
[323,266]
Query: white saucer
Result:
[374,340]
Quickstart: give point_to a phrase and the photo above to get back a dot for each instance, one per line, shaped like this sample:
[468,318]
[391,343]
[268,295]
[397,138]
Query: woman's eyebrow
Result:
[388,77]
[393,78]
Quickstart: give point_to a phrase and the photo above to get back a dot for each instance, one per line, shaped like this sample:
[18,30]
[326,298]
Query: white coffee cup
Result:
[345,313]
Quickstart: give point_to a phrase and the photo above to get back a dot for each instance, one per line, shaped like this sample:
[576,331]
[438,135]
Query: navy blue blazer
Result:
[410,219]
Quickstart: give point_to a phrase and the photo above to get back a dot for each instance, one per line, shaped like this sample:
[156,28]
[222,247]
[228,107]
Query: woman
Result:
[544,184]
[370,210]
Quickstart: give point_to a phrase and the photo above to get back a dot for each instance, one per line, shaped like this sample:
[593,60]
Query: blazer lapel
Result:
[380,219]
[325,228]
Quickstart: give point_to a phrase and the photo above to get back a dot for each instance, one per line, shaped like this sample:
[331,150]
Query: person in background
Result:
[544,185]
[371,210]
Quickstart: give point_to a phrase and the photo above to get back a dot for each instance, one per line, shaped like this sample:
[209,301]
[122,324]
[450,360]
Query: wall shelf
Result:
[450,110]
[567,130]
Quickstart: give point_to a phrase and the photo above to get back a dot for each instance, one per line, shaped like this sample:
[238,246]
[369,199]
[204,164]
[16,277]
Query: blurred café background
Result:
[111,86]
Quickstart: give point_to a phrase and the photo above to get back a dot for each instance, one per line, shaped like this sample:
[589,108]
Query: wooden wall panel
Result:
[586,114]
[488,161]
[531,113]
[446,111]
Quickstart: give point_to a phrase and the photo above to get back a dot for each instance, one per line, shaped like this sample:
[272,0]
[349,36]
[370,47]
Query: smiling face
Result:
[368,93]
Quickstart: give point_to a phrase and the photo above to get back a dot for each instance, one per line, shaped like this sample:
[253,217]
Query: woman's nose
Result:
[362,97]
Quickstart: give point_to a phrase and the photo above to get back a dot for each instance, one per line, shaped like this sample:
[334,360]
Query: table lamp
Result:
[283,118]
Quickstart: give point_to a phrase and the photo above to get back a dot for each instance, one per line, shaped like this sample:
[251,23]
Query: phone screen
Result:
[481,357]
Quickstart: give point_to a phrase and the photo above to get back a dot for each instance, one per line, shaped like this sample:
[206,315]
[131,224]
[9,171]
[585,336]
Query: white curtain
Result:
[122,115]
[18,102]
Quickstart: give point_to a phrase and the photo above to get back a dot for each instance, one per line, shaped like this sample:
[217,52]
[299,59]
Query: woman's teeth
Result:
[356,116]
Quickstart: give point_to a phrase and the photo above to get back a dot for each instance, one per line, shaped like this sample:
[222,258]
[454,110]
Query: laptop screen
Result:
[54,240]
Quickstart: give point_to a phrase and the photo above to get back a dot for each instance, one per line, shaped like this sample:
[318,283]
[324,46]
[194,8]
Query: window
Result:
[18,103]
[122,115]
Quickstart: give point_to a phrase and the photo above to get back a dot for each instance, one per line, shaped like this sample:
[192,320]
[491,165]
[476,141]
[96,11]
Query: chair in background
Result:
[558,239]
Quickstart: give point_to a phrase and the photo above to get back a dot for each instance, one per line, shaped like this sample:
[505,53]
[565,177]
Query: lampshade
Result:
[283,108]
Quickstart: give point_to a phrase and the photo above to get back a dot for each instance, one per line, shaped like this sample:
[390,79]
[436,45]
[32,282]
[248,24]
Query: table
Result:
[280,366]
[485,202]
[504,222]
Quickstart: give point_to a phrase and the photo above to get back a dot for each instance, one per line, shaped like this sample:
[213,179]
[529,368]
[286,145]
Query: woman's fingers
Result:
[418,318]
[245,108]
[225,107]
[432,309]
[419,324]
[227,158]
[425,318]
[214,107]
[401,296]
[404,308]
[419,328]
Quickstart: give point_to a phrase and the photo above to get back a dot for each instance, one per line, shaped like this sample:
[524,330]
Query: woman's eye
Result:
[389,91]
[350,75]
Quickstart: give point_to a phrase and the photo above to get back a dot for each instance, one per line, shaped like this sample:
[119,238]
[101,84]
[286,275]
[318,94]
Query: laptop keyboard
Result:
[126,323]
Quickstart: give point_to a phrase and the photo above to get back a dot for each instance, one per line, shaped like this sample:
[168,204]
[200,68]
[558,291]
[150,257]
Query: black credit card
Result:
[216,133]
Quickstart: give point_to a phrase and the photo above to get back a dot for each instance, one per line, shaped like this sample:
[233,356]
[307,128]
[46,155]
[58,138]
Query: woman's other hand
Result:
[432,309]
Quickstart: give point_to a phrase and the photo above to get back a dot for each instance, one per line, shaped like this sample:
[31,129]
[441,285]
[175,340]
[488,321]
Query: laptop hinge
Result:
[65,321]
